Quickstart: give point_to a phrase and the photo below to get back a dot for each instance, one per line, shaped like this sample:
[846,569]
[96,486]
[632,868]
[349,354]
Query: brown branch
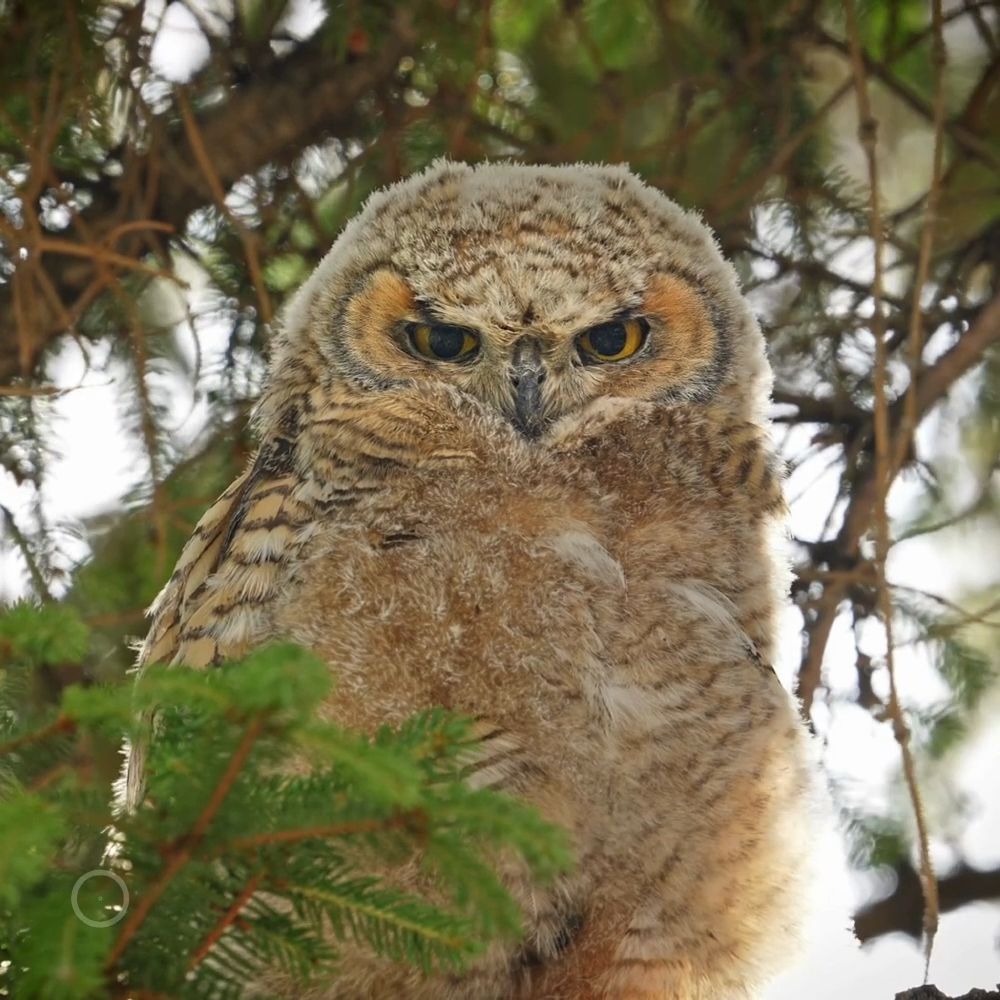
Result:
[901,909]
[181,852]
[819,618]
[822,409]
[31,390]
[136,225]
[397,822]
[957,360]
[59,726]
[101,255]
[908,424]
[884,473]
[225,921]
[247,238]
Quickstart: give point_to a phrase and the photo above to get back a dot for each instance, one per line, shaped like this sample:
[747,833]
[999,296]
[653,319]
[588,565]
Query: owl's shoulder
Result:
[230,571]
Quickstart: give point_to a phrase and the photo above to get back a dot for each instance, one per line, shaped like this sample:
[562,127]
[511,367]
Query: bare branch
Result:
[883,474]
[971,143]
[900,910]
[930,992]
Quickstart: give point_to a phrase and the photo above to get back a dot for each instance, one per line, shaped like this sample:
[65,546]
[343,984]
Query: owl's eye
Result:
[441,341]
[612,341]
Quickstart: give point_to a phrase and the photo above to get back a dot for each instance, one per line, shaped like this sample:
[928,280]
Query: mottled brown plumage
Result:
[595,581]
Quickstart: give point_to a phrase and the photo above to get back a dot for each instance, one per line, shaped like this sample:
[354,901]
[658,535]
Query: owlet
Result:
[514,461]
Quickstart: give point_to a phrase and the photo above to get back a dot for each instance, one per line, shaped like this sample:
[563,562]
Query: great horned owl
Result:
[514,462]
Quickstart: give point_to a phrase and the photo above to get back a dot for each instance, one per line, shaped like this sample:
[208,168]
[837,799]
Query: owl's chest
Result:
[460,591]
[484,593]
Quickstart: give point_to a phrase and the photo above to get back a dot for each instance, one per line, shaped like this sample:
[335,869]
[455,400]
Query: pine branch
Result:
[935,382]
[883,473]
[178,854]
[237,864]
[58,727]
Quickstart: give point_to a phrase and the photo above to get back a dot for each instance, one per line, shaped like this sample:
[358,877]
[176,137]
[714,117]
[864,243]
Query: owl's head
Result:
[532,289]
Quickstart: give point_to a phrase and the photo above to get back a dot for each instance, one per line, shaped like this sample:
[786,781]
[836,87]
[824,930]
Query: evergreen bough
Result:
[266,837]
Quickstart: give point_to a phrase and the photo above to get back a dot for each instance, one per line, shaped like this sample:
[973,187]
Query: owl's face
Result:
[537,363]
[534,290]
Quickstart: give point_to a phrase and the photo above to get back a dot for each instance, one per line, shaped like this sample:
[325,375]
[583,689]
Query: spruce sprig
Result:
[266,840]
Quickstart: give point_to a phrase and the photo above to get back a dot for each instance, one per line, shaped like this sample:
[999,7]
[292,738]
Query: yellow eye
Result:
[612,341]
[441,341]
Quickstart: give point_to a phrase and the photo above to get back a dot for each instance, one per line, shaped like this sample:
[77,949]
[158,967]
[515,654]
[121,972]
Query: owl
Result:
[514,461]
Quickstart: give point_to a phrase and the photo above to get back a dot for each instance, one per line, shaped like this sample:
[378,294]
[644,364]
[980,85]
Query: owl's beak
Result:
[527,373]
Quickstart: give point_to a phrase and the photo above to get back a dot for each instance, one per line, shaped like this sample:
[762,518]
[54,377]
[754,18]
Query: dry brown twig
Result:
[908,424]
[247,238]
[868,135]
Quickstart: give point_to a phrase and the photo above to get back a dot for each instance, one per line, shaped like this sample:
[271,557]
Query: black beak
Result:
[527,373]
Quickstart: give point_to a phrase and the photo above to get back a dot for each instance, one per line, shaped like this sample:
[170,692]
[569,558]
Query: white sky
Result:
[97,463]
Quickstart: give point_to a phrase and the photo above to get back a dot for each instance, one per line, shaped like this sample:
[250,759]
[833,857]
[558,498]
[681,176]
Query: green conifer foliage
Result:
[235,862]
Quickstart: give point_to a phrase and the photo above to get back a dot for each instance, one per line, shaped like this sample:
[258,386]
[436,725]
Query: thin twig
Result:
[965,618]
[225,921]
[398,821]
[978,506]
[910,416]
[247,238]
[867,133]
[103,255]
[32,391]
[59,726]
[34,570]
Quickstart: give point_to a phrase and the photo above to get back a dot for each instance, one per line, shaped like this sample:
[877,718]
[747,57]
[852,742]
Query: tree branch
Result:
[183,850]
[933,993]
[935,382]
[901,909]
[970,143]
[265,120]
[269,120]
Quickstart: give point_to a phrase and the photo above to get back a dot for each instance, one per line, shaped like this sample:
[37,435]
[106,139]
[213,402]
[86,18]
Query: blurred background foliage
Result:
[171,171]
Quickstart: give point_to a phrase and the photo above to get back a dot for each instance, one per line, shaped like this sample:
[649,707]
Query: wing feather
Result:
[215,604]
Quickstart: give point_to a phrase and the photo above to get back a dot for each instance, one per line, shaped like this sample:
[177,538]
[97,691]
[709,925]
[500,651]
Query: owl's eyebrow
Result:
[426,313]
[616,317]
[425,310]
